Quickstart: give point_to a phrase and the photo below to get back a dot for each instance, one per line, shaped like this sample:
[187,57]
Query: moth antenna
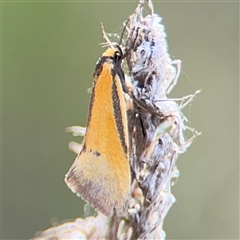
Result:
[108,42]
[123,31]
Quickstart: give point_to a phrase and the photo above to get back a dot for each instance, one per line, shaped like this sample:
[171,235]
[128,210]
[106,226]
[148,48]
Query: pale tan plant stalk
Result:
[156,130]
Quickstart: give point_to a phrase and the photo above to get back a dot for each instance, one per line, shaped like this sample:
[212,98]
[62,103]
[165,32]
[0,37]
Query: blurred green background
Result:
[49,51]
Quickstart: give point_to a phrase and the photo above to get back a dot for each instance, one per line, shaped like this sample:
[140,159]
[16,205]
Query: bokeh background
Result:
[49,51]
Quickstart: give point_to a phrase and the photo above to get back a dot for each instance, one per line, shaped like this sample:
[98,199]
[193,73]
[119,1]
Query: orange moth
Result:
[101,173]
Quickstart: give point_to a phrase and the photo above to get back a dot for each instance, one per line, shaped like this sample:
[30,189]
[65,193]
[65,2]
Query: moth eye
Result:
[117,56]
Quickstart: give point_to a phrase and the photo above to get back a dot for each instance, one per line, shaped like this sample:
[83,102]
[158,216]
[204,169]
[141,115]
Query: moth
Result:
[101,172]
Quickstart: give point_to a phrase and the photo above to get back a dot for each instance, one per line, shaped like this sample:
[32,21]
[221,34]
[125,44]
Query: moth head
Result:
[115,53]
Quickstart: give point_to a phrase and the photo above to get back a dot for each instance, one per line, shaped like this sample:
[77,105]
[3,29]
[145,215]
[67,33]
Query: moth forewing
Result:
[101,173]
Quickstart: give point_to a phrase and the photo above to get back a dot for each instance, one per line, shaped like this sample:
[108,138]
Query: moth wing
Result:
[95,182]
